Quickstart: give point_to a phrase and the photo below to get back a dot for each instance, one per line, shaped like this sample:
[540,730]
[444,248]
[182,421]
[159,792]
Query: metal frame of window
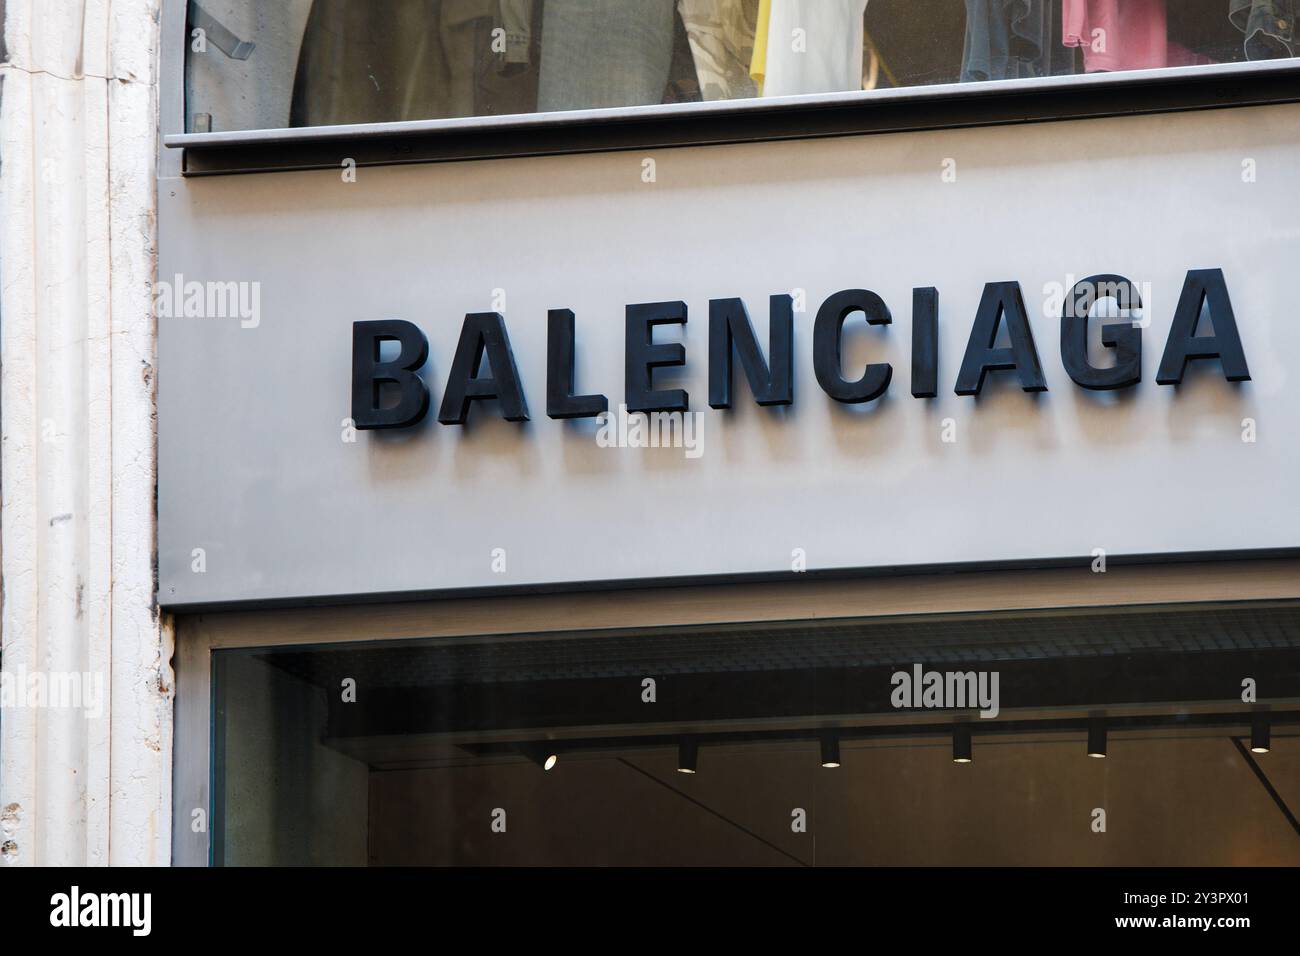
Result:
[941,106]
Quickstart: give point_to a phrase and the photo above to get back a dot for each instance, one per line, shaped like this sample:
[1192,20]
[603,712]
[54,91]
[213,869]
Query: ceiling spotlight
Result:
[543,755]
[1259,733]
[830,750]
[961,752]
[687,755]
[1096,737]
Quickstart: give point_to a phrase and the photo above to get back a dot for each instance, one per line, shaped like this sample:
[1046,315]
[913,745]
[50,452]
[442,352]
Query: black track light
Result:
[830,750]
[544,755]
[1096,737]
[1259,734]
[961,751]
[688,752]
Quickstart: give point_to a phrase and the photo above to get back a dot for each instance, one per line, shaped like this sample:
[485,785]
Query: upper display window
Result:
[307,63]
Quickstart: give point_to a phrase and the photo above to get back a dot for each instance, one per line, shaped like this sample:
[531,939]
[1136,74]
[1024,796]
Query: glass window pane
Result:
[296,63]
[436,751]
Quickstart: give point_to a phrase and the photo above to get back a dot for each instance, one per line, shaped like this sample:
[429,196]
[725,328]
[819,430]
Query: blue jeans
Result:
[599,53]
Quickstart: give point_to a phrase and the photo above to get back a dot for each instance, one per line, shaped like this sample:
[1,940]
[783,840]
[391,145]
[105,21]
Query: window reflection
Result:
[325,62]
[531,749]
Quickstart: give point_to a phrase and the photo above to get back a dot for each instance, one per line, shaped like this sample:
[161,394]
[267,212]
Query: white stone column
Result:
[78,144]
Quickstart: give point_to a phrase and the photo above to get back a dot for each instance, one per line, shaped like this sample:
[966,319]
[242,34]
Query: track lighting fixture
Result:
[544,755]
[830,749]
[687,755]
[1259,734]
[1096,737]
[961,747]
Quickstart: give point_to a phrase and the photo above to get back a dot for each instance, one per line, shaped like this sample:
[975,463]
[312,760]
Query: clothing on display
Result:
[413,59]
[605,53]
[362,62]
[809,46]
[517,26]
[1123,35]
[721,35]
[1014,39]
[1269,26]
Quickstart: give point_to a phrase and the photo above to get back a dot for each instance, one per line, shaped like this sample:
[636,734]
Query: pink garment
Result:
[1122,35]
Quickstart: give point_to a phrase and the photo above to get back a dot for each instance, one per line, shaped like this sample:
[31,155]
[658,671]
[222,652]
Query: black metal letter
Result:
[368,373]
[483,332]
[642,356]
[560,400]
[729,325]
[925,342]
[1000,299]
[828,336]
[1124,338]
[1184,344]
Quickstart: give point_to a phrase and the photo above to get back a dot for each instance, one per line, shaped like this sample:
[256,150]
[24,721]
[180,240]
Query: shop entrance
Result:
[1123,736]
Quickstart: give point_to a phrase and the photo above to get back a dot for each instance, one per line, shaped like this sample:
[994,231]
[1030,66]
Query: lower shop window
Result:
[1153,735]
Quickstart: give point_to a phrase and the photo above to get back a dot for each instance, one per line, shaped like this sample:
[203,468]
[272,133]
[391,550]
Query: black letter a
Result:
[1184,344]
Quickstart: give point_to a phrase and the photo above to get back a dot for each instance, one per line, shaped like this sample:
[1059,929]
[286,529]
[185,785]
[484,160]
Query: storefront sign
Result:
[483,337]
[812,357]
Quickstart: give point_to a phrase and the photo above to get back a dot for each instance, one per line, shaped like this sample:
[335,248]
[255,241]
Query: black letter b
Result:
[368,374]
